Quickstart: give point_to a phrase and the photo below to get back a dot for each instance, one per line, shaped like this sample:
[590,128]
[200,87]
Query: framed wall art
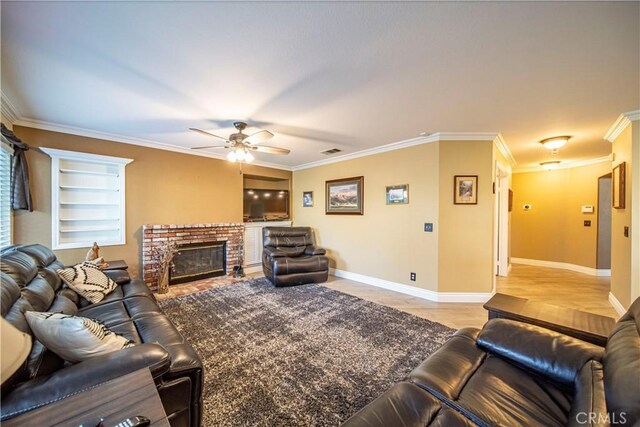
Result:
[345,196]
[397,194]
[617,182]
[307,199]
[465,190]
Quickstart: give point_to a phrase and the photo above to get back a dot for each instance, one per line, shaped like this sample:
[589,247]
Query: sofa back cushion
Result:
[292,240]
[13,306]
[46,262]
[20,266]
[42,255]
[622,367]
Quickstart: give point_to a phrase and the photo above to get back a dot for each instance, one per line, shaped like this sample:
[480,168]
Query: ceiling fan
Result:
[241,144]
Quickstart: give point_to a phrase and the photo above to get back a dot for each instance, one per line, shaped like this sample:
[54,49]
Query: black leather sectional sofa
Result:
[515,374]
[28,282]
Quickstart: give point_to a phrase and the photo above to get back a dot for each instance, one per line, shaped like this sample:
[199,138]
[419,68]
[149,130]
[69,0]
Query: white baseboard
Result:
[253,269]
[412,290]
[563,265]
[619,308]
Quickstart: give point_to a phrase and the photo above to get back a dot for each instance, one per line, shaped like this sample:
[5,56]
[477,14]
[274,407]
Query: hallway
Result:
[554,286]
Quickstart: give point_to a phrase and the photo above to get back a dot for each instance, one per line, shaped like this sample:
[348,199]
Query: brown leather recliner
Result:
[290,257]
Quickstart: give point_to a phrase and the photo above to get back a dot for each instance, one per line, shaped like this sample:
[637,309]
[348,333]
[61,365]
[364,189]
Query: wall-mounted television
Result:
[266,205]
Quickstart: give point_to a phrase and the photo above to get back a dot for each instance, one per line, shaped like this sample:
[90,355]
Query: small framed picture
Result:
[398,194]
[465,190]
[345,196]
[307,199]
[617,182]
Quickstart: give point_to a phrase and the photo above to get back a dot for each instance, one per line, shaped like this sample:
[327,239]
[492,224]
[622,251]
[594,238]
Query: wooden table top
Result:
[113,401]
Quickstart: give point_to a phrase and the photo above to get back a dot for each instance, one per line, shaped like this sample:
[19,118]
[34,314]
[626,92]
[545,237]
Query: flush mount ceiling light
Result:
[555,142]
[550,165]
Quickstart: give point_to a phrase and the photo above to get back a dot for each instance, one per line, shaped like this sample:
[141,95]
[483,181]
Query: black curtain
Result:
[20,193]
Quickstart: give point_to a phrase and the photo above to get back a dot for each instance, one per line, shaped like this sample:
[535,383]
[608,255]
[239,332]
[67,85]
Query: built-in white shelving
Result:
[87,199]
[84,230]
[85,172]
[89,219]
[88,204]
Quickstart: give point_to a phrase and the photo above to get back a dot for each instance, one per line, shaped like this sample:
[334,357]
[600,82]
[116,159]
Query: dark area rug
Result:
[300,356]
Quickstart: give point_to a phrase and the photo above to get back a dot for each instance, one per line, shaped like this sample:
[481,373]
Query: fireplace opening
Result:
[196,261]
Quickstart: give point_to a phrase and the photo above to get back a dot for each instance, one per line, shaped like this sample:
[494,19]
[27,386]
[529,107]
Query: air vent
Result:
[332,151]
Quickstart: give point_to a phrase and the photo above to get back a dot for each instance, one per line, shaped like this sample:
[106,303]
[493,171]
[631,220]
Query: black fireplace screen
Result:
[196,261]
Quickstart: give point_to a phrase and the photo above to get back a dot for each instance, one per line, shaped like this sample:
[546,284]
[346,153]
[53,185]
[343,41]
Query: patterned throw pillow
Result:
[74,338]
[88,280]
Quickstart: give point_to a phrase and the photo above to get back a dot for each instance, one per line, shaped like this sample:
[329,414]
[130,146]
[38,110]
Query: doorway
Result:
[603,260]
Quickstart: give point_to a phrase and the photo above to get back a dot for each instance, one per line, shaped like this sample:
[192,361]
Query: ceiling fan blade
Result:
[271,150]
[258,137]
[208,134]
[210,146]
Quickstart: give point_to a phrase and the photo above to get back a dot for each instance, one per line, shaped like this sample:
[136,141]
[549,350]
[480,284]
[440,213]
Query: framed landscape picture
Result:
[398,194]
[465,190]
[345,196]
[618,189]
[307,199]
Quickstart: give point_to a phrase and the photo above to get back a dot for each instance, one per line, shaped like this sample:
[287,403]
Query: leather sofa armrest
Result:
[314,250]
[274,253]
[83,376]
[121,277]
[551,354]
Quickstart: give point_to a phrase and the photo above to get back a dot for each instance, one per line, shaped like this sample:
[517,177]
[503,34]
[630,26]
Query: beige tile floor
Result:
[559,287]
[553,286]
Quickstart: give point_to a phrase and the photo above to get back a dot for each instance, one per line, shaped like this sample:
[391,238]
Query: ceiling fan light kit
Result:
[240,155]
[555,143]
[242,144]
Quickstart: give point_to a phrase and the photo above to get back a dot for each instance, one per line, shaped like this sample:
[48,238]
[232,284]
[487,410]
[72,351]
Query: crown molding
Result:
[370,152]
[501,144]
[439,136]
[621,124]
[633,115]
[564,165]
[9,111]
[54,127]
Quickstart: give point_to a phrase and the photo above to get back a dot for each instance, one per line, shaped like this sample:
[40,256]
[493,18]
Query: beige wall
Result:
[387,242]
[621,260]
[553,230]
[162,187]
[465,262]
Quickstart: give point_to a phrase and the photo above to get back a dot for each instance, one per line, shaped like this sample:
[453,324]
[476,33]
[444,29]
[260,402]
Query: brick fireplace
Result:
[188,235]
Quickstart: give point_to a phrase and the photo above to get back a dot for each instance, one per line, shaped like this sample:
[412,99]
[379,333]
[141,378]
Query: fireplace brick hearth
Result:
[182,234]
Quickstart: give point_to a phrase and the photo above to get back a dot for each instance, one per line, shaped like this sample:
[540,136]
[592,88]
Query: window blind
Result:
[5,195]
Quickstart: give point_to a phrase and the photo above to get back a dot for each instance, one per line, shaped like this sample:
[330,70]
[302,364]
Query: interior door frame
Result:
[501,221]
[607,175]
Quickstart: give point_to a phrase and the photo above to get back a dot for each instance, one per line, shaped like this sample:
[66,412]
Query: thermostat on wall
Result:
[527,207]
[587,209]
